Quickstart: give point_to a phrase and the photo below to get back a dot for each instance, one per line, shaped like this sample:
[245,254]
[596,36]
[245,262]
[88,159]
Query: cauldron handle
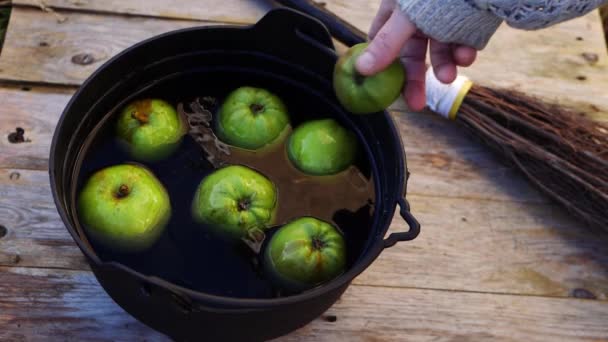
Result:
[339,28]
[411,221]
[283,23]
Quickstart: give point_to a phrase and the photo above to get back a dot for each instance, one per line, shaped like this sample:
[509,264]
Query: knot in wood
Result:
[83,59]
[17,136]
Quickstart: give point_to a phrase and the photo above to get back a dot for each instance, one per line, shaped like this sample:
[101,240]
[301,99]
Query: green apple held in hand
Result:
[252,118]
[151,129]
[322,147]
[124,207]
[235,201]
[366,94]
[305,253]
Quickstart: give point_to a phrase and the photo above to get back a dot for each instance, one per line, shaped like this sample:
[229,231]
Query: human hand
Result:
[392,35]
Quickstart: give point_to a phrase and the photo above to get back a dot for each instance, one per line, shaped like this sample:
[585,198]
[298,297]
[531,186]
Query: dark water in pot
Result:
[187,254]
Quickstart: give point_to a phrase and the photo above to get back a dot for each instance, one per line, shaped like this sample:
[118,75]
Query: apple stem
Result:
[123,191]
[244,204]
[256,108]
[142,117]
[359,78]
[317,243]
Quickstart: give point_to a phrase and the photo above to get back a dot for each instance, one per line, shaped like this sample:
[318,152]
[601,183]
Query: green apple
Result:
[150,129]
[251,118]
[361,94]
[304,253]
[236,201]
[322,147]
[124,207]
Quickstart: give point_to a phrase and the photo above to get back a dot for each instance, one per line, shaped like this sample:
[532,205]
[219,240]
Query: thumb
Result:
[384,48]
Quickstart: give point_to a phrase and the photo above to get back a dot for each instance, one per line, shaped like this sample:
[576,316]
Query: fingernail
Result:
[365,62]
[445,75]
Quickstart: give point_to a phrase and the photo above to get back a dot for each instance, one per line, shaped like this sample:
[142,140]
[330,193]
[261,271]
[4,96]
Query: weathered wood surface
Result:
[46,55]
[359,12]
[35,235]
[47,305]
[466,245]
[228,11]
[495,260]
[52,305]
[547,63]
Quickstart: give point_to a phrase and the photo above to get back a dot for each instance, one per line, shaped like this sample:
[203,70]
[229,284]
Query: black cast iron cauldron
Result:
[289,47]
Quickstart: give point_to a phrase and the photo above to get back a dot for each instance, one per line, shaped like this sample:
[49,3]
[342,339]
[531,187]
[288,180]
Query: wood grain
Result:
[229,11]
[39,304]
[465,245]
[501,247]
[36,110]
[35,233]
[46,55]
[52,305]
[547,63]
[437,151]
[422,315]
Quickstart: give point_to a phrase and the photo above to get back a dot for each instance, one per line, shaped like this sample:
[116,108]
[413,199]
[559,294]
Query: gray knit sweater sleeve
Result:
[473,22]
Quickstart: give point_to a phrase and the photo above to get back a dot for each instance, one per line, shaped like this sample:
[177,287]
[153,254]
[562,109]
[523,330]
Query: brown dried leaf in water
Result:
[199,120]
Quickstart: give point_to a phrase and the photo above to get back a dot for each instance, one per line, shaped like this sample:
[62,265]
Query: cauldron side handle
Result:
[410,220]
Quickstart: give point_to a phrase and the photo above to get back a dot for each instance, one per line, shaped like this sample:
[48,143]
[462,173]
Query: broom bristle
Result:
[562,152]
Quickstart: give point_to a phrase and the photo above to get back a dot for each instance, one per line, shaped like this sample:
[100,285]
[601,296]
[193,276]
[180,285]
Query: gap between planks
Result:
[354,283]
[64,10]
[82,310]
[214,11]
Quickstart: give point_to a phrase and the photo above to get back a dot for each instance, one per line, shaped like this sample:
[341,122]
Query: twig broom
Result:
[559,150]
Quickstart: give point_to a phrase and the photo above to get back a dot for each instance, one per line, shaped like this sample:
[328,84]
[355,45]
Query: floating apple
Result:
[252,118]
[304,253]
[322,147]
[150,129]
[124,207]
[361,94]
[235,201]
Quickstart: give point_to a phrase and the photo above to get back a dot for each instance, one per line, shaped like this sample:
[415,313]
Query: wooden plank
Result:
[544,63]
[52,305]
[35,233]
[46,55]
[419,315]
[500,247]
[229,11]
[467,245]
[437,151]
[39,304]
